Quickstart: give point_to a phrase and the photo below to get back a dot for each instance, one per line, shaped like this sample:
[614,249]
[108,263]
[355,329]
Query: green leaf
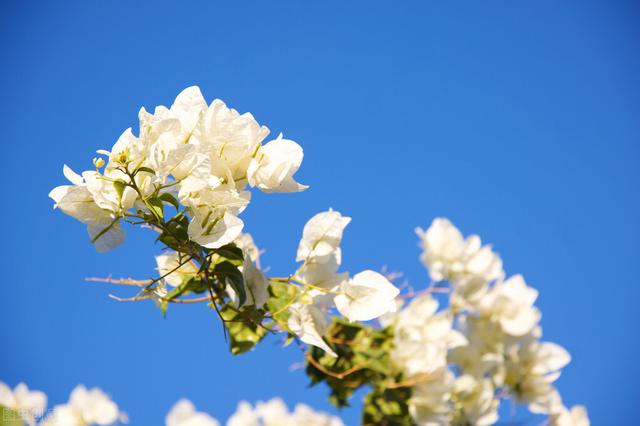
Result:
[189,285]
[232,277]
[156,207]
[387,407]
[230,252]
[176,236]
[119,185]
[363,352]
[243,326]
[146,169]
[280,296]
[9,417]
[169,199]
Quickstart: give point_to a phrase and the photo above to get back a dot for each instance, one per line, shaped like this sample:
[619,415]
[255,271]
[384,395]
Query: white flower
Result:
[422,337]
[472,361]
[214,228]
[244,416]
[184,413]
[273,413]
[319,248]
[477,404]
[85,407]
[530,371]
[576,416]
[230,139]
[309,323]
[321,237]
[510,303]
[175,268]
[78,202]
[27,404]
[273,167]
[366,296]
[276,413]
[255,283]
[305,415]
[448,256]
[248,246]
[430,403]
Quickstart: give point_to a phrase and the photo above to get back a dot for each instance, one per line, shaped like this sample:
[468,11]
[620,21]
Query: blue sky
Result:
[517,120]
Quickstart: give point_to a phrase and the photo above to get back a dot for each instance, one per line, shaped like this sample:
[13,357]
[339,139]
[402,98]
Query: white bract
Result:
[430,403]
[272,169]
[479,405]
[510,303]
[175,269]
[184,413]
[25,403]
[423,337]
[276,413]
[576,416]
[309,323]
[467,264]
[85,407]
[320,251]
[530,371]
[366,296]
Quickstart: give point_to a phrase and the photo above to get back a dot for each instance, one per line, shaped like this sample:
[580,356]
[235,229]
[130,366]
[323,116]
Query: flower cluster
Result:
[200,156]
[95,408]
[85,407]
[366,296]
[483,346]
[430,362]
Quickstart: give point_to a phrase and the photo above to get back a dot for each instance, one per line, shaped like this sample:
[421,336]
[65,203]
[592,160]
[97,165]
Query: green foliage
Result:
[156,207]
[175,235]
[9,417]
[230,253]
[280,297]
[230,275]
[119,185]
[244,327]
[191,285]
[169,199]
[146,170]
[363,359]
[387,407]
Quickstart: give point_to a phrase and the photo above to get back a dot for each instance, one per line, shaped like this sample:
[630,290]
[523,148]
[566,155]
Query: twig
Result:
[121,281]
[339,376]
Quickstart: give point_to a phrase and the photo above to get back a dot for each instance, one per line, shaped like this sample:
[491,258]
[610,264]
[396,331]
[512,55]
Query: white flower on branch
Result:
[530,371]
[464,262]
[184,413]
[576,416]
[477,401]
[27,404]
[175,268]
[310,323]
[430,403]
[366,296]
[423,337]
[510,303]
[276,413]
[273,166]
[320,251]
[85,408]
[200,153]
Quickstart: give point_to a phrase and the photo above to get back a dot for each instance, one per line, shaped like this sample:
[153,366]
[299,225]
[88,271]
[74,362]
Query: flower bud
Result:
[98,162]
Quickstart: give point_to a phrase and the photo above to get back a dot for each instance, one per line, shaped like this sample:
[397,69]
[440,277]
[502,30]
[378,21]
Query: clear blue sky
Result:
[519,120]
